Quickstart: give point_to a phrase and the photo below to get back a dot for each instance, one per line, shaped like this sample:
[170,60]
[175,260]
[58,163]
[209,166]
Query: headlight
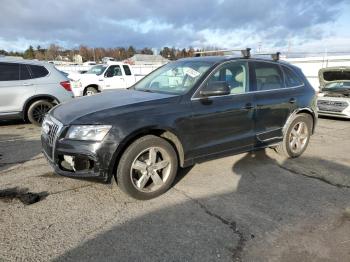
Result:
[89,133]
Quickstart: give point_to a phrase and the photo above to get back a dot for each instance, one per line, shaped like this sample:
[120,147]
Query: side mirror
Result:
[216,88]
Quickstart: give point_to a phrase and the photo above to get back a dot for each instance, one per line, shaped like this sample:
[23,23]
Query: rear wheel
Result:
[147,168]
[91,91]
[37,111]
[297,136]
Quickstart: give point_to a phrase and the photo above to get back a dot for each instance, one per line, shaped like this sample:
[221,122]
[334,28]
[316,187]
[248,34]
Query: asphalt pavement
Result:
[248,207]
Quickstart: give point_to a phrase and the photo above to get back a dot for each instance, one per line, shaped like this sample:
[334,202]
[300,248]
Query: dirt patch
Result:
[22,194]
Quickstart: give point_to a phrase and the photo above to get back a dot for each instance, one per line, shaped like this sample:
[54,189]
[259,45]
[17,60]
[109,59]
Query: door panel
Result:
[114,78]
[224,123]
[14,91]
[274,102]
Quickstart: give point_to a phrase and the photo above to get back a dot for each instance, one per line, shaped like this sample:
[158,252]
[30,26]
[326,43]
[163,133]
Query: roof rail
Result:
[274,56]
[245,52]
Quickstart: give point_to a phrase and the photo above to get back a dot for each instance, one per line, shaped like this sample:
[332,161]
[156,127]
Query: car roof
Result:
[23,61]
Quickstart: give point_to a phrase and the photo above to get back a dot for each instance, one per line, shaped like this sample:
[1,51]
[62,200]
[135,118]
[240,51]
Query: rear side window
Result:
[291,79]
[268,76]
[23,72]
[9,71]
[38,71]
[127,70]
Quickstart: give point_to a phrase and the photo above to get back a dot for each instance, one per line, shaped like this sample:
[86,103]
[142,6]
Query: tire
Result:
[297,137]
[143,163]
[37,111]
[90,91]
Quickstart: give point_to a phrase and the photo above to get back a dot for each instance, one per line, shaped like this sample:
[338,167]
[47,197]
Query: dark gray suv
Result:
[29,89]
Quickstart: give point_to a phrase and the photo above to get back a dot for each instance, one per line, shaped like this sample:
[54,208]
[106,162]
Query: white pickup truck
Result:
[112,75]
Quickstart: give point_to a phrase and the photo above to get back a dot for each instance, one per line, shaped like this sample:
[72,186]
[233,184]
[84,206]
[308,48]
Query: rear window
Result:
[9,71]
[336,75]
[291,79]
[127,70]
[268,76]
[38,71]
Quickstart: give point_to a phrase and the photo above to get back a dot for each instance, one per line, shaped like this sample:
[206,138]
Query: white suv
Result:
[29,89]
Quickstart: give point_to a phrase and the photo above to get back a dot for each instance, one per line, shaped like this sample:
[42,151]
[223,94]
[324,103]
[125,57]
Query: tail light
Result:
[66,85]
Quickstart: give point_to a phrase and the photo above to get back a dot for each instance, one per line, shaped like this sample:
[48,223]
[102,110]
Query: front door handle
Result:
[27,84]
[292,100]
[248,106]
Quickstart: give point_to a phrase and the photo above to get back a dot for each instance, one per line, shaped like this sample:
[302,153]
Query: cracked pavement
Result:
[248,207]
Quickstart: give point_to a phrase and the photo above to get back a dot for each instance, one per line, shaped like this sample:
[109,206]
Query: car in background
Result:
[183,113]
[113,75]
[29,89]
[334,96]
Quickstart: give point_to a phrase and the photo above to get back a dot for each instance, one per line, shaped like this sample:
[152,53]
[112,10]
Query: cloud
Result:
[156,23]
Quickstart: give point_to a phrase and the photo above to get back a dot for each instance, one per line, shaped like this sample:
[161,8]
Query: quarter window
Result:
[235,75]
[38,71]
[127,70]
[291,79]
[9,71]
[268,76]
[24,73]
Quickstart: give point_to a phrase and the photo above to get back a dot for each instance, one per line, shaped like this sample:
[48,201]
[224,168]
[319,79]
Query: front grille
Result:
[332,106]
[53,133]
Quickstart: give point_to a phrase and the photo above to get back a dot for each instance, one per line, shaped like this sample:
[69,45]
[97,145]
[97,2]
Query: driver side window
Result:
[235,75]
[113,71]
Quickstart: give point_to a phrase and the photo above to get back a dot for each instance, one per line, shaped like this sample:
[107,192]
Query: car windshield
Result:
[174,78]
[338,85]
[97,70]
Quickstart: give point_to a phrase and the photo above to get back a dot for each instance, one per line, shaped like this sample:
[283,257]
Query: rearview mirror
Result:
[216,88]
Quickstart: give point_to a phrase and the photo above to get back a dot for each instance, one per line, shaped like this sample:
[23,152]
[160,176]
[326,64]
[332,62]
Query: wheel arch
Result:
[92,85]
[35,98]
[165,133]
[299,111]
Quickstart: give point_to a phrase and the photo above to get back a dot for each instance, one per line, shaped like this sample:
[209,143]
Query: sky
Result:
[294,25]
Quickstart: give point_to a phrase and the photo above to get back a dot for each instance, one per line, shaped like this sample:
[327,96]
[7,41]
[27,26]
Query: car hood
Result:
[85,107]
[333,75]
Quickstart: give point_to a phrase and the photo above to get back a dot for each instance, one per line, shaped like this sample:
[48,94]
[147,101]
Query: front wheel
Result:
[91,91]
[147,168]
[297,137]
[37,111]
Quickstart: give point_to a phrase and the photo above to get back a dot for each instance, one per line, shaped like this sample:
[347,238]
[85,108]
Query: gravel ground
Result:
[248,207]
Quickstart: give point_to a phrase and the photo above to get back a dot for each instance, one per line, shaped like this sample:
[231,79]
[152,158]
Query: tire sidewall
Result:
[31,110]
[123,171]
[299,118]
[91,88]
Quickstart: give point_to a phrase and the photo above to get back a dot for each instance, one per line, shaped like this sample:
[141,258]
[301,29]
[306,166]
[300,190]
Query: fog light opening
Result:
[76,163]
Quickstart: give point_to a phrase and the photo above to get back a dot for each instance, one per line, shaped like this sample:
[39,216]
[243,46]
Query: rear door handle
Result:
[27,84]
[248,106]
[292,100]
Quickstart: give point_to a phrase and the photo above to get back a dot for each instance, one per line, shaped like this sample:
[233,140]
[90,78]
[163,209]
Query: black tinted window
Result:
[38,71]
[268,76]
[23,72]
[9,71]
[291,78]
[127,70]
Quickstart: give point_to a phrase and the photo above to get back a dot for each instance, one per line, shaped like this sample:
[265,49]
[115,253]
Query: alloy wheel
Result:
[298,137]
[150,170]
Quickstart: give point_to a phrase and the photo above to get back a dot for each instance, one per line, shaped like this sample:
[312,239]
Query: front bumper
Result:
[98,156]
[333,107]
